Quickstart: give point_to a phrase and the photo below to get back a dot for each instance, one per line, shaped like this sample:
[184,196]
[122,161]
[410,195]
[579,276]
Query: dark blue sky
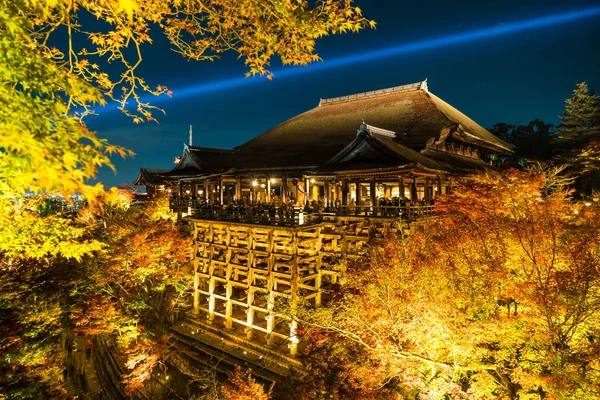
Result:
[512,78]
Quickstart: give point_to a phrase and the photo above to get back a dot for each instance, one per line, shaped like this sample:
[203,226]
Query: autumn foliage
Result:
[126,289]
[241,385]
[495,298]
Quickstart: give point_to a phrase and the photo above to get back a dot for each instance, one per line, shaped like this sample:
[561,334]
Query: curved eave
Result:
[470,138]
[415,168]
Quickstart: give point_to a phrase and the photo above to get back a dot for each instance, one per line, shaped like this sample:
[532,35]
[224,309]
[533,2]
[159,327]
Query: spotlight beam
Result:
[388,52]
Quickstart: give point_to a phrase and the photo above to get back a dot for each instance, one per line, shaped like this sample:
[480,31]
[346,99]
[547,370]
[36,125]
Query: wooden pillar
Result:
[228,305]
[294,296]
[211,300]
[427,187]
[206,191]
[268,189]
[270,317]
[413,189]
[284,189]
[345,192]
[196,293]
[221,190]
[180,188]
[358,191]
[401,188]
[306,191]
[439,186]
[327,193]
[373,194]
[250,315]
[238,189]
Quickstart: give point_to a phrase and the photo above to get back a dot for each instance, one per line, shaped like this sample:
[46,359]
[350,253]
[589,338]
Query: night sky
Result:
[512,78]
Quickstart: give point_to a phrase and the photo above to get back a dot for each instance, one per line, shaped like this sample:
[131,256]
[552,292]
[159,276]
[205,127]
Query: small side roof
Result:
[150,176]
[374,146]
[198,161]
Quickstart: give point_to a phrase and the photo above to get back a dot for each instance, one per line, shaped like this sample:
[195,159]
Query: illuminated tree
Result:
[496,298]
[242,386]
[133,283]
[578,137]
[53,69]
[136,283]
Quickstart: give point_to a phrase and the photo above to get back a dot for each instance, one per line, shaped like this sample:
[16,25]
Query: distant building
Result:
[272,217]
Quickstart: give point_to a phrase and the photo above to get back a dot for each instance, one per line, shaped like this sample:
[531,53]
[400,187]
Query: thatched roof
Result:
[314,137]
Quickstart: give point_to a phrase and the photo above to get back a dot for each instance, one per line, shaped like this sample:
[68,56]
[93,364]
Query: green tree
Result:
[532,141]
[581,116]
[578,138]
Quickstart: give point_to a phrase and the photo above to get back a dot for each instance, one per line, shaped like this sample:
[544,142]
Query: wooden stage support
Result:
[241,270]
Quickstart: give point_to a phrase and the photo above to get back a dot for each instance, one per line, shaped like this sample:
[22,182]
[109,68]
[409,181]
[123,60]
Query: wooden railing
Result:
[291,216]
[250,213]
[409,212]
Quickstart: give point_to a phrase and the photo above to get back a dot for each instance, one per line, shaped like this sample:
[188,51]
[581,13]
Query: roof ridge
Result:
[210,149]
[422,85]
[377,130]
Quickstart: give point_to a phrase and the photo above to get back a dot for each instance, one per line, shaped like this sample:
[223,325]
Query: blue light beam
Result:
[388,52]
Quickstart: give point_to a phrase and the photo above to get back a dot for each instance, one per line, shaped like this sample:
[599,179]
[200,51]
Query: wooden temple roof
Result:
[151,176]
[456,163]
[314,137]
[199,161]
[411,127]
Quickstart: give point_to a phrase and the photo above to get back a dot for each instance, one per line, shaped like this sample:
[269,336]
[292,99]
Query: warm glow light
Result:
[262,185]
[200,191]
[312,181]
[255,183]
[588,204]
[576,212]
[187,192]
[272,180]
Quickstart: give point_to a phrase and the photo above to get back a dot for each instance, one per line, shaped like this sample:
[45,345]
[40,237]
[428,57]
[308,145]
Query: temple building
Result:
[274,216]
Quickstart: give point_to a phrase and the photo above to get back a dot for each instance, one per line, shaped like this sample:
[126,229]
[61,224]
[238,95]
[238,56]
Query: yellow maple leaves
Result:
[129,7]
